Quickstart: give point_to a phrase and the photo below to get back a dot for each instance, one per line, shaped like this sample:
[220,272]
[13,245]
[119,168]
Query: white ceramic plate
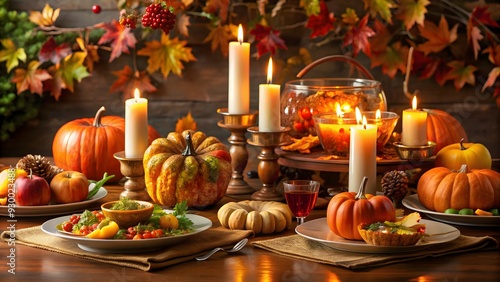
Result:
[319,231]
[413,203]
[124,245]
[48,210]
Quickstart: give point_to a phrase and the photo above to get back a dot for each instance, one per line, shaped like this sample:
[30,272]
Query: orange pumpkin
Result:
[347,210]
[443,129]
[441,188]
[87,145]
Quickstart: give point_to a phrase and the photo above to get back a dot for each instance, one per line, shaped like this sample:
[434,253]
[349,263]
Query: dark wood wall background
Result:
[203,89]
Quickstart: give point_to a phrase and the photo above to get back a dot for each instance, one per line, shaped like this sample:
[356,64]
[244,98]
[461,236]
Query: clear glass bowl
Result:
[303,98]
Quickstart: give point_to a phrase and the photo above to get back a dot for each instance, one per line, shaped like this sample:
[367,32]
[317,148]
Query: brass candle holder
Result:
[268,168]
[133,170]
[237,124]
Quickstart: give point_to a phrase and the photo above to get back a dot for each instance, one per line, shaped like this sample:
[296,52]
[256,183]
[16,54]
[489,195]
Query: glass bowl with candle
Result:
[333,131]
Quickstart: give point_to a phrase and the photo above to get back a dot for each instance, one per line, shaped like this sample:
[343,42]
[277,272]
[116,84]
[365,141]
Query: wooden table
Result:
[251,264]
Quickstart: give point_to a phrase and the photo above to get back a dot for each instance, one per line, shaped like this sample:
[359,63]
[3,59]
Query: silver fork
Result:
[235,248]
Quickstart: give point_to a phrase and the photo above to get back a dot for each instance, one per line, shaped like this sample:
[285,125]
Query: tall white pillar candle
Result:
[363,157]
[239,76]
[414,132]
[136,126]
[269,104]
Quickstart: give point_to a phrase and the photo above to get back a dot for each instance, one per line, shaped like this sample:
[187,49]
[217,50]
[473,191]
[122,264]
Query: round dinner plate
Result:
[124,245]
[413,203]
[319,231]
[56,209]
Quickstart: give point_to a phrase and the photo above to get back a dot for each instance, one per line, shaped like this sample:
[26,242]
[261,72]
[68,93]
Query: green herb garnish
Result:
[126,204]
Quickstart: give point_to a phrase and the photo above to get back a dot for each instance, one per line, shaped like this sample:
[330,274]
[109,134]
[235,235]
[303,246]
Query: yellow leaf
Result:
[185,123]
[11,54]
[47,17]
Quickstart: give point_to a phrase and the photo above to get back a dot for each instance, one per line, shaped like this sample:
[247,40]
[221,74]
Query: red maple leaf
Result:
[120,37]
[358,36]
[268,40]
[50,51]
[393,59]
[129,80]
[381,39]
[322,23]
[481,14]
[425,66]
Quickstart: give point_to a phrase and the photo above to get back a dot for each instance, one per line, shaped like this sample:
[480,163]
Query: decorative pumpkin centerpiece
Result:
[443,129]
[347,210]
[441,188]
[474,155]
[87,145]
[187,166]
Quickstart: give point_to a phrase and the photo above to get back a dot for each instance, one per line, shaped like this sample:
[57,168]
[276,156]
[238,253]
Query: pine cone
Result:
[39,166]
[395,185]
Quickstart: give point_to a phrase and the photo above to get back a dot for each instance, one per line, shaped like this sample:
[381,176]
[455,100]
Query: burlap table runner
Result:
[147,261]
[297,246]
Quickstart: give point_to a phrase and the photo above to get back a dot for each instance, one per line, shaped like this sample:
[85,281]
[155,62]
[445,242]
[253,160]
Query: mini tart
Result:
[400,233]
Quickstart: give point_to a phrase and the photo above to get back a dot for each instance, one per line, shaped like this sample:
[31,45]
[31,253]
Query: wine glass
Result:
[301,197]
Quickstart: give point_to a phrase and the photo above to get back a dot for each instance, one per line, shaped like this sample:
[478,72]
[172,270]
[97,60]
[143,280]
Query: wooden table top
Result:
[251,264]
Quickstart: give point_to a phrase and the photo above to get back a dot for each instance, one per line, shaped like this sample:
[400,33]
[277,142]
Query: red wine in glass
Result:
[301,197]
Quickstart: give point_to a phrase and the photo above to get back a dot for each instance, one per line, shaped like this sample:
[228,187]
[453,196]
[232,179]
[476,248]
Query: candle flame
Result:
[378,115]
[364,122]
[137,94]
[338,110]
[240,34]
[414,103]
[346,107]
[358,115]
[270,71]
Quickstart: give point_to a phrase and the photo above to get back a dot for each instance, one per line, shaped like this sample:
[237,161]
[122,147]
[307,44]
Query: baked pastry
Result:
[404,232]
[259,216]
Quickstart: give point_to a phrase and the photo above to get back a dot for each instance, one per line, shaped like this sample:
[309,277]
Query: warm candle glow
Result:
[338,110]
[137,94]
[364,122]
[240,34]
[378,115]
[358,116]
[346,107]
[414,103]
[270,71]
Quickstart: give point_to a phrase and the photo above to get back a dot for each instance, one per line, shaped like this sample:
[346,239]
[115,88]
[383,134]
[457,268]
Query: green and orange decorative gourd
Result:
[441,188]
[347,210]
[187,166]
[87,145]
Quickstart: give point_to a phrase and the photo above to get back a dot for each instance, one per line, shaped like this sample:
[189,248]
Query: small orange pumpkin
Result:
[347,210]
[443,129]
[441,188]
[87,145]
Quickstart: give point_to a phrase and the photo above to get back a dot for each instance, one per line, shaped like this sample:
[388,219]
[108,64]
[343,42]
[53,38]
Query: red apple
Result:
[32,190]
[69,187]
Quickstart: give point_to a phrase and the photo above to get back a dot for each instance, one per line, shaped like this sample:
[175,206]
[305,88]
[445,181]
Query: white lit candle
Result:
[363,157]
[239,76]
[414,132]
[136,126]
[269,104]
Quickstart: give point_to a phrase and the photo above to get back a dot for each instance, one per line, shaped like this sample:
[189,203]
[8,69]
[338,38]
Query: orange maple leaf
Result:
[220,7]
[185,123]
[47,17]
[493,54]
[120,37]
[31,78]
[492,77]
[461,74]
[381,39]
[220,37]
[92,56]
[128,81]
[412,11]
[393,59]
[439,37]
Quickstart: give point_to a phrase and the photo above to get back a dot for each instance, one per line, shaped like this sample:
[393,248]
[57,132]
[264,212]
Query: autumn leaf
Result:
[167,55]
[322,23]
[474,36]
[11,54]
[219,7]
[31,78]
[439,37]
[220,37]
[381,39]
[380,7]
[493,54]
[50,51]
[312,7]
[481,15]
[47,17]
[358,36]
[350,17]
[92,56]
[120,38]
[268,40]
[128,81]
[182,24]
[412,11]
[185,123]
[425,66]
[461,74]
[63,74]
[393,59]
[492,77]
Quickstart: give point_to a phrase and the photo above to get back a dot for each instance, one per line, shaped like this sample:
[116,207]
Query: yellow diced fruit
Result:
[483,212]
[169,221]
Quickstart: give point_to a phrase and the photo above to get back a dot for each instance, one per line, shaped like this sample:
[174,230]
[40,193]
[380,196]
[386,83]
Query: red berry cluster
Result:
[159,17]
[128,21]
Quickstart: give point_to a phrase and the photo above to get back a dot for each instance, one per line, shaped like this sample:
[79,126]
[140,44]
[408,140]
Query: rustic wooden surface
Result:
[203,89]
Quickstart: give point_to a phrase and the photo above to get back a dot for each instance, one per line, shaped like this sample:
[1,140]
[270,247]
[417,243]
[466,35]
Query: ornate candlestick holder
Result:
[268,168]
[237,124]
[133,170]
